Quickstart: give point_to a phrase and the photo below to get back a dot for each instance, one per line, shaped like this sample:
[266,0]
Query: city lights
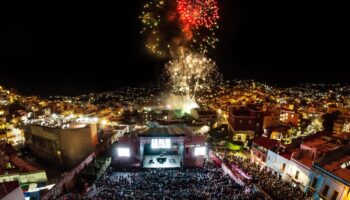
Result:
[156,100]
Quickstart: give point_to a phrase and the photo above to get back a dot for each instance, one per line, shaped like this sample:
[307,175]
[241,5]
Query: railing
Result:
[227,170]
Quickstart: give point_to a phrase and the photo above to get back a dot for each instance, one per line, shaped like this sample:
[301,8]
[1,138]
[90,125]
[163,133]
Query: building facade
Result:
[260,148]
[330,176]
[304,157]
[244,123]
[65,147]
[279,163]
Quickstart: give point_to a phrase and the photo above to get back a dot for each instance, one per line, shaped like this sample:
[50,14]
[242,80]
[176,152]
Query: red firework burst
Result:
[198,13]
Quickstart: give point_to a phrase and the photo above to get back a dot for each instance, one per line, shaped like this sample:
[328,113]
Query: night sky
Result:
[71,49]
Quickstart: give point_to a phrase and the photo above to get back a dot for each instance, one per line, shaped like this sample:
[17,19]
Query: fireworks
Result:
[199,13]
[167,25]
[158,17]
[183,30]
[183,103]
[191,73]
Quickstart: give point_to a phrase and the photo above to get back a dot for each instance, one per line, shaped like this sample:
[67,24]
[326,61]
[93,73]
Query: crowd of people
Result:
[165,184]
[268,180]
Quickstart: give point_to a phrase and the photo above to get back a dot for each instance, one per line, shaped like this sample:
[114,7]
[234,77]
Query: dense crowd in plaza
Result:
[268,181]
[206,183]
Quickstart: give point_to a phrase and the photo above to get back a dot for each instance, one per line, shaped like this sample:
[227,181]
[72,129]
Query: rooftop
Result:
[320,146]
[171,130]
[287,155]
[243,113]
[314,142]
[265,142]
[337,162]
[7,187]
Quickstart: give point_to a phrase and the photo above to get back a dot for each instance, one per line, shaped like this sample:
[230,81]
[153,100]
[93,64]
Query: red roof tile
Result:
[265,142]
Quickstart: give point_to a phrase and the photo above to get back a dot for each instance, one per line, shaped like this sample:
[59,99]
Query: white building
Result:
[299,173]
[302,160]
[280,163]
[330,177]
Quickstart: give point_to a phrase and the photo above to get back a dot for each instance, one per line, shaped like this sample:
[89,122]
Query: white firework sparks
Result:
[191,74]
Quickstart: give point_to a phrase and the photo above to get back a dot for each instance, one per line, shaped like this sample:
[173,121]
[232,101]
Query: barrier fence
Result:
[235,173]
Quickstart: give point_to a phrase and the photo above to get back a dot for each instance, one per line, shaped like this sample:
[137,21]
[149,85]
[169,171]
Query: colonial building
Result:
[260,148]
[303,158]
[244,123]
[330,176]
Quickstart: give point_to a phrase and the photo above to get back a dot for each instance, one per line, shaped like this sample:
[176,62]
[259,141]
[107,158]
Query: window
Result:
[335,195]
[314,183]
[239,138]
[325,190]
[296,175]
[283,166]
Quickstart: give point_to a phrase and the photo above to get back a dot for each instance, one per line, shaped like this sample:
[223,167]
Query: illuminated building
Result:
[204,115]
[330,176]
[121,130]
[260,148]
[303,158]
[289,117]
[64,147]
[15,137]
[244,123]
[279,160]
[271,119]
[341,124]
[166,146]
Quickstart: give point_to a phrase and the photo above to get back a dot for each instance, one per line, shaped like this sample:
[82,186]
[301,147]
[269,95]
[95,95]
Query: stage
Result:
[165,161]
